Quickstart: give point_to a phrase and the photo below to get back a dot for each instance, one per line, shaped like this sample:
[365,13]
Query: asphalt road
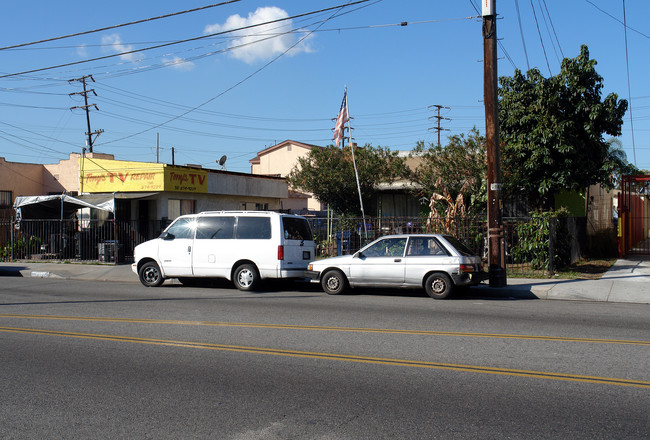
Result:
[117,360]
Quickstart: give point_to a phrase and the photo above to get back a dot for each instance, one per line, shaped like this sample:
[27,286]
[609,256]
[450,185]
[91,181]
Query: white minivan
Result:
[242,246]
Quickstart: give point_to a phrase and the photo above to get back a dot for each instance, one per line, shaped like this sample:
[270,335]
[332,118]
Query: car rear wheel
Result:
[333,282]
[438,286]
[150,275]
[246,277]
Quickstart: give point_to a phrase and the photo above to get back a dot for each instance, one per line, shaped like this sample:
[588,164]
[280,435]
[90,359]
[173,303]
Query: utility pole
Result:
[496,239]
[439,118]
[86,107]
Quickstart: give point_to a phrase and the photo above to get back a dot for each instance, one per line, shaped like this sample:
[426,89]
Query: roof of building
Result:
[282,144]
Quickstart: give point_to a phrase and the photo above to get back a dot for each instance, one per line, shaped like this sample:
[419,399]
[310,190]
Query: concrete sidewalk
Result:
[628,281]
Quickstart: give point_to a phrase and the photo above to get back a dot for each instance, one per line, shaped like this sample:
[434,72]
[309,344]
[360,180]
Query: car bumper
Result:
[312,275]
[469,279]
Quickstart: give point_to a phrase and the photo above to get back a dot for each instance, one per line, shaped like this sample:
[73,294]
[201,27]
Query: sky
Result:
[205,88]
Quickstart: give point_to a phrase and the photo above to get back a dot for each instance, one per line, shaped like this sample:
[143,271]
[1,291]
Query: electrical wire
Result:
[548,31]
[540,38]
[119,25]
[201,37]
[553,27]
[521,31]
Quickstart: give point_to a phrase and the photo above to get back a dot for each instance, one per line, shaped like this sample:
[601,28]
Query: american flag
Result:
[341,120]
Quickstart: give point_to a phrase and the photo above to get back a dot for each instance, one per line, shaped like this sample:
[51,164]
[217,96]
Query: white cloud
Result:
[179,64]
[113,42]
[82,52]
[255,42]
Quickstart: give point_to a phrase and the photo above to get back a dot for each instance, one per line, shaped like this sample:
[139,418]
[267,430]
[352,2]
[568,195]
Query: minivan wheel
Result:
[438,286]
[150,275]
[333,282]
[246,277]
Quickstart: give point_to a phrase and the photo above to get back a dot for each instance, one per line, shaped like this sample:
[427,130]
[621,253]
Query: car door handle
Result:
[397,260]
[189,249]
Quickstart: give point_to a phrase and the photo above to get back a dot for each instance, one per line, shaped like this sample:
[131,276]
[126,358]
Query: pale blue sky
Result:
[243,104]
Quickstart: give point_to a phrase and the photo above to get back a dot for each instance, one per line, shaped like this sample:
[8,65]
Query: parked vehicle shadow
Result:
[11,271]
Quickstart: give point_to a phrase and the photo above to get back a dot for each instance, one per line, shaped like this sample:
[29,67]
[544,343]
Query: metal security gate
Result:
[634,216]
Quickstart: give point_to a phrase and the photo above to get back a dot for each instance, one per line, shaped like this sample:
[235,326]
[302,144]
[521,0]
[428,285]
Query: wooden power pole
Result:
[86,107]
[496,239]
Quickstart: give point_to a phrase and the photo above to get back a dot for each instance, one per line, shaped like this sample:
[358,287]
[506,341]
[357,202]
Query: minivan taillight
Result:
[280,252]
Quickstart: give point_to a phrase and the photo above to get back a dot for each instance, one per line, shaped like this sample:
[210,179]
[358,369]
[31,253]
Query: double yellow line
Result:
[328,328]
[331,356]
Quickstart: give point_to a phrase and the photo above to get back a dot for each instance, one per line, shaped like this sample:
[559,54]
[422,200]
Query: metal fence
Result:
[109,241]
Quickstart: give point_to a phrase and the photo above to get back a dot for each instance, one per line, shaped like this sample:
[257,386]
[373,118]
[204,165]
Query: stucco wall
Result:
[22,179]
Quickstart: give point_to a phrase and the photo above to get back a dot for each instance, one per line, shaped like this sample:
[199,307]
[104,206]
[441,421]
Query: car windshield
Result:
[460,247]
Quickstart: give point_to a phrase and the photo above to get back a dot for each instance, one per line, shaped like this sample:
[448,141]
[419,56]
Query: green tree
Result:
[454,176]
[328,173]
[552,130]
[617,164]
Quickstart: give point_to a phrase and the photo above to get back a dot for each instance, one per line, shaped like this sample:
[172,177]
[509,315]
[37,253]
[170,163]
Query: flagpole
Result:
[354,164]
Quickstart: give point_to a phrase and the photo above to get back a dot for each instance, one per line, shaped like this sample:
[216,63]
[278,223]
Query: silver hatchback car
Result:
[437,263]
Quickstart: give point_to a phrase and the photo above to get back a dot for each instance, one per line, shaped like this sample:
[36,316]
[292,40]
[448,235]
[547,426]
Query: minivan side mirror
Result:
[167,236]
[359,255]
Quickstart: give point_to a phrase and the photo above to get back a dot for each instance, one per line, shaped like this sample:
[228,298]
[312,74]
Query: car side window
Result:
[216,228]
[424,246]
[251,228]
[389,247]
[183,228]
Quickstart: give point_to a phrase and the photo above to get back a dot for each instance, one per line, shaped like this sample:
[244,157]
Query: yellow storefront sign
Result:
[101,176]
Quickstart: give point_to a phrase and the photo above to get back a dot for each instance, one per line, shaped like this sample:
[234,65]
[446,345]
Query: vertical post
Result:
[496,239]
[157,147]
[354,164]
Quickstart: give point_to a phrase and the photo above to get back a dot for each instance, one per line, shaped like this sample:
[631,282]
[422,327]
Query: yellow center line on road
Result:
[340,357]
[326,328]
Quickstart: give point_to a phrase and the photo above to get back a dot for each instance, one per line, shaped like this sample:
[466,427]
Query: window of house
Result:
[176,207]
[5,199]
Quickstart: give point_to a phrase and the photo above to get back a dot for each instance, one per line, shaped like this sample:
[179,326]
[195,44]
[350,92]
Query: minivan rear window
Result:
[296,228]
[253,228]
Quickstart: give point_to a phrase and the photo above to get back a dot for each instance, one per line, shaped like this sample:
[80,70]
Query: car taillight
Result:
[467,268]
[280,252]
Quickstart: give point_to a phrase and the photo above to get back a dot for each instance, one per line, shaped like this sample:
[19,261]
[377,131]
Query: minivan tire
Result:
[333,282]
[246,277]
[438,286]
[150,275]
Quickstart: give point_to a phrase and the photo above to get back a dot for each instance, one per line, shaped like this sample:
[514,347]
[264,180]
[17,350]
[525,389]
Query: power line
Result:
[201,37]
[548,31]
[611,16]
[540,38]
[118,25]
[247,77]
[553,27]
[521,31]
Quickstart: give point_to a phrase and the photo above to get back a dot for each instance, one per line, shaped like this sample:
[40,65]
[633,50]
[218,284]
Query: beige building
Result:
[278,160]
[141,190]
